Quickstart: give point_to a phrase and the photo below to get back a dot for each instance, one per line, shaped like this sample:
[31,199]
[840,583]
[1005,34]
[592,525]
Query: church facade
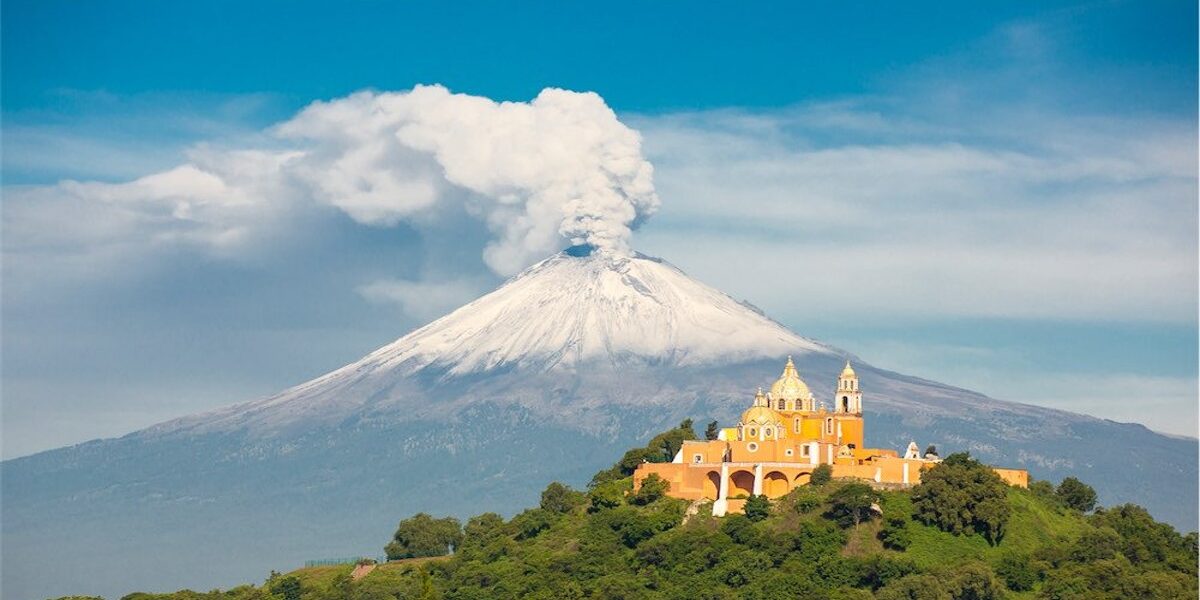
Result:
[778,442]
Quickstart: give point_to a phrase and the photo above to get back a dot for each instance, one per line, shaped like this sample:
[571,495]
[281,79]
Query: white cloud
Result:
[558,170]
[1088,219]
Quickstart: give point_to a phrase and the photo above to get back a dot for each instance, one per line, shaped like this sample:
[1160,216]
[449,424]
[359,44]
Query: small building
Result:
[781,439]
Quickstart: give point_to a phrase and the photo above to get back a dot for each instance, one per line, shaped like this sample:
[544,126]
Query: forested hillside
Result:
[961,534]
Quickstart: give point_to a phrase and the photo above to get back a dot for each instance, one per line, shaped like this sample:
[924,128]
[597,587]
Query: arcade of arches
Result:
[780,439]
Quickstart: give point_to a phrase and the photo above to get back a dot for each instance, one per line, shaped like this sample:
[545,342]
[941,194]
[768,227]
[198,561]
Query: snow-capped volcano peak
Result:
[583,306]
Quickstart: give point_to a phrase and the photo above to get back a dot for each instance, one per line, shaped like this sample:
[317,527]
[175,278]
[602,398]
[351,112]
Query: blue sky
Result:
[1002,196]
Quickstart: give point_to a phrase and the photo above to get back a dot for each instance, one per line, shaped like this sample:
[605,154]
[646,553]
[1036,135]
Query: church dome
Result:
[790,386]
[848,371]
[760,415]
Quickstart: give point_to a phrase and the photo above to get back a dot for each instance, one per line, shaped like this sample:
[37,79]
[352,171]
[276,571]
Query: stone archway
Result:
[741,483]
[803,479]
[712,485]
[775,484]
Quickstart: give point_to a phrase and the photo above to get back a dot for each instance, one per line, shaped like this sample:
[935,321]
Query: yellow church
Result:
[781,439]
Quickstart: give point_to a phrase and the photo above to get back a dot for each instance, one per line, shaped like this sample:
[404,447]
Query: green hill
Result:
[840,540]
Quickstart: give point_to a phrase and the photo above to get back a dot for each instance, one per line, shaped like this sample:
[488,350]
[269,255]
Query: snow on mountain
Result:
[579,307]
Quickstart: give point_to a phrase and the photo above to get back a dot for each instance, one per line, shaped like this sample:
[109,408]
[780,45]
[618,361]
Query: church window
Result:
[797,425]
[787,452]
[768,432]
[804,450]
[697,458]
[781,404]
[845,404]
[752,447]
[753,432]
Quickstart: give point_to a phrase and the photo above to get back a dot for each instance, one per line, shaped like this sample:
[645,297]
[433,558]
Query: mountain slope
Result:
[545,378]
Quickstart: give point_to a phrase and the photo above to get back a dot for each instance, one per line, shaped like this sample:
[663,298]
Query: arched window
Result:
[781,404]
[845,404]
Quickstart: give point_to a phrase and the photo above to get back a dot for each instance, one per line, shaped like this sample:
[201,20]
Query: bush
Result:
[1144,540]
[973,581]
[757,507]
[1017,571]
[821,475]
[558,498]
[851,504]
[914,587]
[806,502]
[662,448]
[895,534]
[1076,494]
[653,487]
[287,588]
[739,528]
[963,496]
[423,535]
[1044,491]
[610,494]
[531,522]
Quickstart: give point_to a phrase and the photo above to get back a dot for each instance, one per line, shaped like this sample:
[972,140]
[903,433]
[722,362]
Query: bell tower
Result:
[848,398]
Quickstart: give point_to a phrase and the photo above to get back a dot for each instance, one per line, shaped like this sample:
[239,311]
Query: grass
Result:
[1031,524]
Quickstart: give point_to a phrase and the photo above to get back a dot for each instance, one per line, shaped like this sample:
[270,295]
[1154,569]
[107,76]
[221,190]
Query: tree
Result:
[973,581]
[821,475]
[287,588]
[963,496]
[423,535]
[558,498]
[1017,571]
[1044,490]
[653,487]
[914,587]
[852,504]
[931,450]
[757,507]
[609,494]
[662,448]
[712,431]
[895,534]
[1076,494]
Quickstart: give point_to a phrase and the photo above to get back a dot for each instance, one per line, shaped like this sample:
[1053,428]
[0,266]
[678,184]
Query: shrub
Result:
[739,528]
[973,581]
[806,502]
[531,522]
[287,588]
[914,587]
[423,535]
[1017,571]
[1044,490]
[653,487]
[610,494]
[895,534]
[558,498]
[963,496]
[757,507]
[1076,494]
[852,503]
[821,475]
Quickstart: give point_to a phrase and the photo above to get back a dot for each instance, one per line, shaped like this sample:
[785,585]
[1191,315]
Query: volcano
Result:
[549,377]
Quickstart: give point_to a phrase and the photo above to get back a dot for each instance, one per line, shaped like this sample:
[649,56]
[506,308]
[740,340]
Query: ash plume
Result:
[556,171]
